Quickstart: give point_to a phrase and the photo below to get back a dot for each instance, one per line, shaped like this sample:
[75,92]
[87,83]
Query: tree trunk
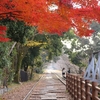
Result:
[31,75]
[17,72]
[19,61]
[21,51]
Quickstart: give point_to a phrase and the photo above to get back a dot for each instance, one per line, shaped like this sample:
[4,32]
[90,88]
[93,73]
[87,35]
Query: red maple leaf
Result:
[3,34]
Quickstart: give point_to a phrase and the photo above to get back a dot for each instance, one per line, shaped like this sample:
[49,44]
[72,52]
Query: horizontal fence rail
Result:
[81,89]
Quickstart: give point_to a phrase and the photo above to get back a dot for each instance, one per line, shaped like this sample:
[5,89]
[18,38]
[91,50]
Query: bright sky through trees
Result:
[53,7]
[67,43]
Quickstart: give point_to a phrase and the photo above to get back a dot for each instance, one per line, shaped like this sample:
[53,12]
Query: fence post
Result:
[74,87]
[81,87]
[87,88]
[77,87]
[68,87]
[94,92]
[66,81]
[70,84]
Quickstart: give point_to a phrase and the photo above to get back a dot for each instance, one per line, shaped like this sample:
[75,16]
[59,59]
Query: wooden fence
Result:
[81,89]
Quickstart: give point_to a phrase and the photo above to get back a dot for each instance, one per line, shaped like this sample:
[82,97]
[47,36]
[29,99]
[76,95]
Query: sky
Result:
[67,43]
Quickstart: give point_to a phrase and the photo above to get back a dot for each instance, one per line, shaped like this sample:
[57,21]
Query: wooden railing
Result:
[81,89]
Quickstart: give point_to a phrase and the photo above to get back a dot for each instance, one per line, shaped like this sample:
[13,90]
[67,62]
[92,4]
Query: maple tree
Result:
[80,17]
[66,16]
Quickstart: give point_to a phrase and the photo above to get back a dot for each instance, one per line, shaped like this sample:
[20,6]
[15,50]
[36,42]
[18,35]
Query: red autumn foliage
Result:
[37,13]
[3,34]
[81,18]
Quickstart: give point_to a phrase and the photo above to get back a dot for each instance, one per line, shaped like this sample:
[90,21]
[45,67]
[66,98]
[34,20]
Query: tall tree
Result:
[18,32]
